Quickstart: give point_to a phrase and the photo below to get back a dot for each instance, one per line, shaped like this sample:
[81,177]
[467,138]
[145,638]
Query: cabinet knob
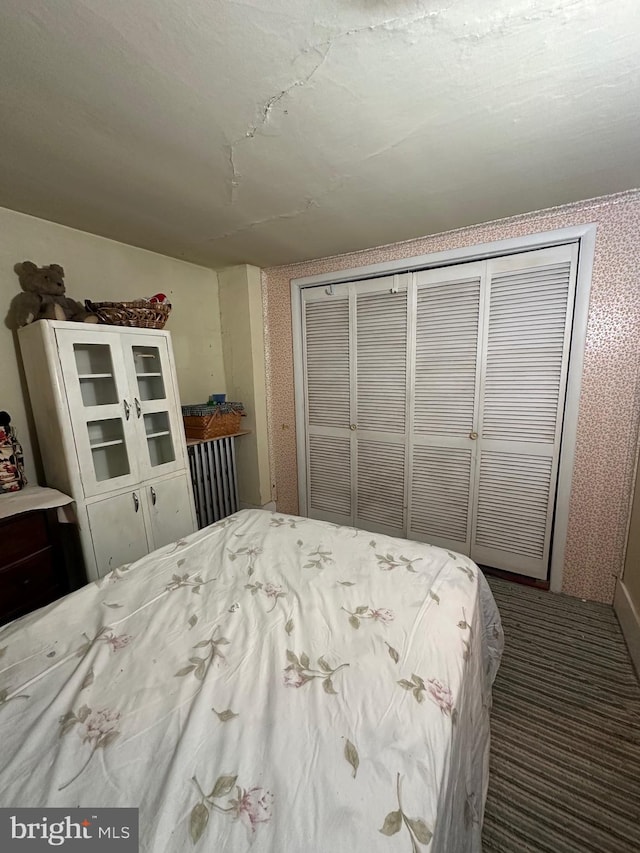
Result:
[353,427]
[473,435]
[136,502]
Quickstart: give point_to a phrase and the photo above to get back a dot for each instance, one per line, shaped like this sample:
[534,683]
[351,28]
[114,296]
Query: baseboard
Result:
[629,620]
[270,507]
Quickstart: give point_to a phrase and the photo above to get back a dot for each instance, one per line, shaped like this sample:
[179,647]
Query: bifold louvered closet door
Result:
[355,345]
[526,339]
[434,404]
[446,371]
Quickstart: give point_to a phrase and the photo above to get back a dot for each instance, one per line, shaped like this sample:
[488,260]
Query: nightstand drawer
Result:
[28,584]
[21,536]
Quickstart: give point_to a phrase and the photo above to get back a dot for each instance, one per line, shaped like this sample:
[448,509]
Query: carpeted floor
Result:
[565,726]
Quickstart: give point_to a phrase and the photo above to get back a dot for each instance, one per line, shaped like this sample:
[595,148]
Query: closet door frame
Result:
[585,236]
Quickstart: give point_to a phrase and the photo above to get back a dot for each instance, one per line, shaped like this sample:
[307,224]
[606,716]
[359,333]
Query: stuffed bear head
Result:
[46,280]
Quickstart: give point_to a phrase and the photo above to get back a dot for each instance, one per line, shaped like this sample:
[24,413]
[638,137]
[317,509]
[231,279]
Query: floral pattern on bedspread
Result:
[270,683]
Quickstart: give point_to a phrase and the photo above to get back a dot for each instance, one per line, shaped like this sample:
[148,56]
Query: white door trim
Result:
[586,236]
[479,252]
[586,253]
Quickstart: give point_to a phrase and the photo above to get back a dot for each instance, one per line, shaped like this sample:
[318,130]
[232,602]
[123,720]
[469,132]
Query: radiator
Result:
[214,479]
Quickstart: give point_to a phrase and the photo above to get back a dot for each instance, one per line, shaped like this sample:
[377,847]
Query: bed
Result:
[270,683]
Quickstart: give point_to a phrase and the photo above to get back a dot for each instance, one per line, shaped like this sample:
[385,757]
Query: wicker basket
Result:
[140,313]
[204,427]
[203,422]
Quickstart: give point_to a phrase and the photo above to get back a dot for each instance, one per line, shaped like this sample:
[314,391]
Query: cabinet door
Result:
[118,530]
[157,416]
[169,503]
[101,408]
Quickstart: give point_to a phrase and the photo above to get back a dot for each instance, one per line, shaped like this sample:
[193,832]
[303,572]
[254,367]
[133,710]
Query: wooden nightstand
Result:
[32,564]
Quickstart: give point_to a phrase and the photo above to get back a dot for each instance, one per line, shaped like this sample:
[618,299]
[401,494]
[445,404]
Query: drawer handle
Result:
[136,502]
[153,496]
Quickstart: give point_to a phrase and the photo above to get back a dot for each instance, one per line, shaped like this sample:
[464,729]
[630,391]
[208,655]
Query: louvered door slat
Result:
[381,357]
[446,356]
[327,362]
[329,475]
[440,495]
[512,513]
[380,490]
[530,338]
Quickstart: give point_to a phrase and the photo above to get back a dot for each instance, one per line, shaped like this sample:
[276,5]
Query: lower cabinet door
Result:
[169,503]
[118,530]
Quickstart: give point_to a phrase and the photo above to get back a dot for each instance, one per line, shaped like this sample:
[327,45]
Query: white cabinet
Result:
[106,407]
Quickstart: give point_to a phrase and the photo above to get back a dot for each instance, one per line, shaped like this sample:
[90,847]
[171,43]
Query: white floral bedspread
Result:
[268,684]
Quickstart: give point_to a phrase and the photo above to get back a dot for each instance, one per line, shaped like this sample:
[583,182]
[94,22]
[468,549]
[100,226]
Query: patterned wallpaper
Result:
[609,413]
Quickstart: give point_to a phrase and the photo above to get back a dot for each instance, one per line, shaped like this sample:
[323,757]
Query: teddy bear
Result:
[44,297]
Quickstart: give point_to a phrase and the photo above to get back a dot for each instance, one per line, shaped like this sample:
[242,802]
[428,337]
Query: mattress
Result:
[270,683]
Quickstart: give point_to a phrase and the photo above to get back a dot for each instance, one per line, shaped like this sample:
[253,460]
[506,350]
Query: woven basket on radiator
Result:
[204,422]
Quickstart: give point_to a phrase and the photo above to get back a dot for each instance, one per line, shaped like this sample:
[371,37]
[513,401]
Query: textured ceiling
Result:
[271,131]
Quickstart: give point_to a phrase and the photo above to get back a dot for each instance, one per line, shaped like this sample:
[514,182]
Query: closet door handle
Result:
[473,435]
[353,427]
[127,409]
[154,497]
[136,502]
[138,407]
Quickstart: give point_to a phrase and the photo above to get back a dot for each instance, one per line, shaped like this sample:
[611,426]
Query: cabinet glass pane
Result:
[95,372]
[149,373]
[159,438]
[109,452]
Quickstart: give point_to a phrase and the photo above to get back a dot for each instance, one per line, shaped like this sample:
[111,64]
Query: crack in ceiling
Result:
[336,184]
[323,48]
[269,131]
[265,113]
[311,202]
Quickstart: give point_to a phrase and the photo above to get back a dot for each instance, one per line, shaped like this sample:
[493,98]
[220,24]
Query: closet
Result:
[433,403]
